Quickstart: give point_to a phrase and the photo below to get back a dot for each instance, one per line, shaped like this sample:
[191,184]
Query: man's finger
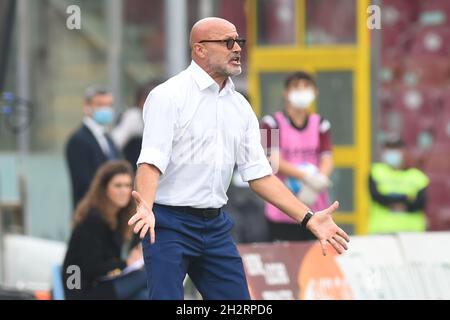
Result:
[144,231]
[336,246]
[323,245]
[343,234]
[137,197]
[333,207]
[133,219]
[152,234]
[341,241]
[138,226]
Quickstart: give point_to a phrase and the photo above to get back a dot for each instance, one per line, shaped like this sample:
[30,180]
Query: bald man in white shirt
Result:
[197,127]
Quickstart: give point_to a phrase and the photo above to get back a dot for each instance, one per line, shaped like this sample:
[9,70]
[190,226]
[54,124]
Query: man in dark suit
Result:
[90,146]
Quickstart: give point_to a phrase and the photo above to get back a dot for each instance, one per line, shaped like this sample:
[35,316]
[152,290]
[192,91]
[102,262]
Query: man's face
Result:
[221,60]
[394,157]
[300,94]
[300,85]
[99,101]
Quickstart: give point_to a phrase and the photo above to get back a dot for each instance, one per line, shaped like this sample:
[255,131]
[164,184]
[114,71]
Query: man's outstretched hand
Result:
[143,220]
[323,227]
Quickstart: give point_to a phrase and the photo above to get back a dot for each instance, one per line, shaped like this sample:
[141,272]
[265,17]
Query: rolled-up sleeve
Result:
[251,160]
[159,124]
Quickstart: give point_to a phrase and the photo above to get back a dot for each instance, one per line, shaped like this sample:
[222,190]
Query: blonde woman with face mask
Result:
[303,157]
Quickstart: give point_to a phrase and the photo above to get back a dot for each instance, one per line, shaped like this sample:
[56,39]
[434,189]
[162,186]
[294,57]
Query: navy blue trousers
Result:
[201,247]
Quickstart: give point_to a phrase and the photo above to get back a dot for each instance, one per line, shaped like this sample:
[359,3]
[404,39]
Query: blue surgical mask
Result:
[103,115]
[393,158]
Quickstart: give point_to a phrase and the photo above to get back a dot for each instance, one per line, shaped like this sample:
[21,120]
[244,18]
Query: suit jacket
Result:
[132,150]
[96,249]
[84,155]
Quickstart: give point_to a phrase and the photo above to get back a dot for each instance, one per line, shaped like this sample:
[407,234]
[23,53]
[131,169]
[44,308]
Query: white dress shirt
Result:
[99,133]
[195,134]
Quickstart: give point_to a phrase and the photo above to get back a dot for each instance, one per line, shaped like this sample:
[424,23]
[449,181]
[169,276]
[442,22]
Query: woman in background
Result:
[99,234]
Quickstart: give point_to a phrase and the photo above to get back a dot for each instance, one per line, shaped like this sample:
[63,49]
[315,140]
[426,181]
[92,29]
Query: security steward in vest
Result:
[398,192]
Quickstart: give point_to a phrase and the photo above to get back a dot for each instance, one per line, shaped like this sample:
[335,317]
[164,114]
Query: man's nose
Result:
[236,47]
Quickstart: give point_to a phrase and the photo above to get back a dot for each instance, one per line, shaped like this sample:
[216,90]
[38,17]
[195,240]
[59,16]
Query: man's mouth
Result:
[236,61]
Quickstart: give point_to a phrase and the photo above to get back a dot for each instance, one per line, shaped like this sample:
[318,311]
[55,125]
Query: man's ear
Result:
[87,109]
[316,91]
[200,50]
[285,94]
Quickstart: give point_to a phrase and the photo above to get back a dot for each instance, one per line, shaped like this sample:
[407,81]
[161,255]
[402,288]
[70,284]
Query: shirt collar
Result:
[229,86]
[204,80]
[93,126]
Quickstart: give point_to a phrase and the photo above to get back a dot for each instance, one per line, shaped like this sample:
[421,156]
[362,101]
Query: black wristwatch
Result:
[305,220]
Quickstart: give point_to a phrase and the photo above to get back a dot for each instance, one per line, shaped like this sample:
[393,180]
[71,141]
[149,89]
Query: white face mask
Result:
[393,158]
[301,99]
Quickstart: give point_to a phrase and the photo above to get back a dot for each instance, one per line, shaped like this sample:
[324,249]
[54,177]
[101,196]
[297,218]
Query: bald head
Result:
[219,59]
[210,28]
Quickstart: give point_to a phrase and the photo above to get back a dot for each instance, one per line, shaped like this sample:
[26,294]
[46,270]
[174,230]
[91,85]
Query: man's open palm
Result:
[325,229]
[144,219]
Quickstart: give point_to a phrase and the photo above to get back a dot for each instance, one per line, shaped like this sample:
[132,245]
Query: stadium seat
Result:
[437,160]
[431,42]
[443,131]
[417,99]
[385,97]
[425,70]
[438,218]
[409,111]
[398,37]
[58,285]
[399,12]
[415,157]
[278,27]
[331,21]
[391,70]
[390,122]
[29,261]
[397,17]
[434,13]
[446,99]
[438,202]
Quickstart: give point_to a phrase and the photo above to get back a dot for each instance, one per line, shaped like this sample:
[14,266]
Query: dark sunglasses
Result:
[229,42]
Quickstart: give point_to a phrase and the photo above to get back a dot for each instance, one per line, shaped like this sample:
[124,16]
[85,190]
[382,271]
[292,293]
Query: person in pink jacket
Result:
[303,156]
